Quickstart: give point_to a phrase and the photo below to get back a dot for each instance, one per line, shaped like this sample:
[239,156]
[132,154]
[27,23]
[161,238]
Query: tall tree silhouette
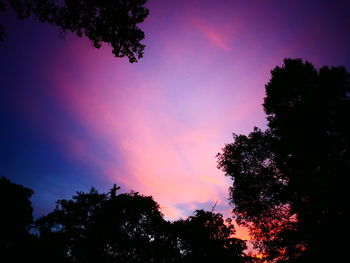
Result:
[114,22]
[15,221]
[289,181]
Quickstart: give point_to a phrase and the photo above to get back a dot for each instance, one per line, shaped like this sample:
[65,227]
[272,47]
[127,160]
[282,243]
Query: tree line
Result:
[110,227]
[289,188]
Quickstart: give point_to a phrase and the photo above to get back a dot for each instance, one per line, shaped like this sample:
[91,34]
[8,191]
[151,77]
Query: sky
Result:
[72,116]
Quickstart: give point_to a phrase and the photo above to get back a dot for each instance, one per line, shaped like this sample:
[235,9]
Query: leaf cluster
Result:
[102,21]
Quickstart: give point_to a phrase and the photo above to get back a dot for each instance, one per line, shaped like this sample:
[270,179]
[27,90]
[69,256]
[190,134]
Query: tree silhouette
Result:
[110,227]
[289,181]
[64,231]
[114,22]
[205,237]
[94,227]
[15,221]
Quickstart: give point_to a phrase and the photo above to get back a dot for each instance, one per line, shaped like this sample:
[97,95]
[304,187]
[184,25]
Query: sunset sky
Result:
[72,116]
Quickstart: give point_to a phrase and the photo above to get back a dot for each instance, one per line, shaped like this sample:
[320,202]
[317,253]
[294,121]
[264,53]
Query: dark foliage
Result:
[94,227]
[15,220]
[109,21]
[206,237]
[106,228]
[290,180]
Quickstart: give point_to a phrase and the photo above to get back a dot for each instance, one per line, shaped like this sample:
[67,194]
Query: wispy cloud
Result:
[216,35]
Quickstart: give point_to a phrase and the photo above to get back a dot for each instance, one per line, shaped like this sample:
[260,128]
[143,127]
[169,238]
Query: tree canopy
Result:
[112,227]
[106,21]
[289,182]
[207,237]
[98,227]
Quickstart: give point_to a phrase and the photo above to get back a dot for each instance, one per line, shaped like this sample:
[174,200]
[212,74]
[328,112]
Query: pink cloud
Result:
[161,121]
[165,125]
[172,213]
[217,37]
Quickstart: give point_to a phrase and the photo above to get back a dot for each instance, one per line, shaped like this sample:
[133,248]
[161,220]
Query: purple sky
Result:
[73,116]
